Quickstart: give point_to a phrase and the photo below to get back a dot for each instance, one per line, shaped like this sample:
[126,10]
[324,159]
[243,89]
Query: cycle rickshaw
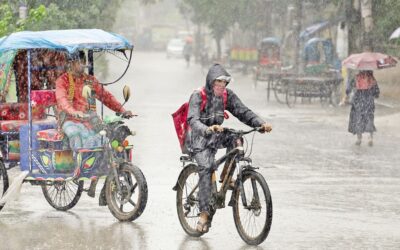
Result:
[30,137]
[320,78]
[269,63]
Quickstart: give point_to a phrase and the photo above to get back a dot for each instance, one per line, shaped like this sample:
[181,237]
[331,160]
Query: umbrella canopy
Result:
[369,61]
[69,40]
[395,34]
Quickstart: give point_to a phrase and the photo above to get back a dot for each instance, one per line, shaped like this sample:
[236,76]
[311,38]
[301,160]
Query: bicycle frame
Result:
[235,156]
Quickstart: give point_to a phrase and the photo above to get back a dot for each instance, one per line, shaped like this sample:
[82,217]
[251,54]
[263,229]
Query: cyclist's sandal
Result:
[202,227]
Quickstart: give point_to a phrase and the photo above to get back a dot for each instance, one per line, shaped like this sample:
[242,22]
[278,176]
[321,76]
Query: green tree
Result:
[218,15]
[58,14]
[6,21]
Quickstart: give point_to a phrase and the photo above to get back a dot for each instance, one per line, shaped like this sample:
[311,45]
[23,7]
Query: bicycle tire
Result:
[244,234]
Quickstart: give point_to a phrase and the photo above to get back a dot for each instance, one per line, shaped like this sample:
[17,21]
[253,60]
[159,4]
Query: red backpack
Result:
[180,116]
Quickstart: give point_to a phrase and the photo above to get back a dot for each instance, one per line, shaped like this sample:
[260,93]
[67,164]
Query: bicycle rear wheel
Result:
[253,221]
[187,201]
[3,180]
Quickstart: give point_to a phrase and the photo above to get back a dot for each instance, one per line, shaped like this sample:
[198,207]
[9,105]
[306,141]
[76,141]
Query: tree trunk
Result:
[218,41]
[366,14]
[297,28]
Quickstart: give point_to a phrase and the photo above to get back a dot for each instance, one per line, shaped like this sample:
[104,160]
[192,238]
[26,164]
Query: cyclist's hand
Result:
[266,128]
[78,114]
[215,128]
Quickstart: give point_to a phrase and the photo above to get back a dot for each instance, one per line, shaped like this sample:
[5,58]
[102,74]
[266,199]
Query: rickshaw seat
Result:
[50,135]
[13,115]
[12,126]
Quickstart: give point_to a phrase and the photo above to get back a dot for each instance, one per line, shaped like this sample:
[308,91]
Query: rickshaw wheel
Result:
[335,95]
[325,96]
[3,180]
[62,195]
[291,95]
[279,88]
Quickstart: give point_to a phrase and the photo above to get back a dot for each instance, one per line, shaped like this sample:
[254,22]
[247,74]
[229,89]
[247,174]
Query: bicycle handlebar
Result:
[242,132]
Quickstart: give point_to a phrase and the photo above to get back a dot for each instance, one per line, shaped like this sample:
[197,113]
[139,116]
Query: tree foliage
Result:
[218,15]
[386,17]
[57,14]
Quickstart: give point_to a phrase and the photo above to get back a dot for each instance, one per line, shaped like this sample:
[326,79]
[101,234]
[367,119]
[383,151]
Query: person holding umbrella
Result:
[362,111]
[363,105]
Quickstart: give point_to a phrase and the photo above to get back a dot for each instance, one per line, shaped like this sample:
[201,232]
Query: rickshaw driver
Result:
[72,106]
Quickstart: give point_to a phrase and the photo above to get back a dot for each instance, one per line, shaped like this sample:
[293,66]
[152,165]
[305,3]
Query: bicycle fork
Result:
[240,187]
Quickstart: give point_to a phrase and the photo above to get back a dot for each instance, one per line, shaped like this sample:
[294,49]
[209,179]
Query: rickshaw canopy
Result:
[312,53]
[271,40]
[316,27]
[68,40]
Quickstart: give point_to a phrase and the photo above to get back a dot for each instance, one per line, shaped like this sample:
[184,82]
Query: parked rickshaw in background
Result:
[269,64]
[321,76]
[31,139]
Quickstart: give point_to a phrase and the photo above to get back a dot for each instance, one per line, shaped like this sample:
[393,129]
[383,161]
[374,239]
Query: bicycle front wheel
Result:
[253,220]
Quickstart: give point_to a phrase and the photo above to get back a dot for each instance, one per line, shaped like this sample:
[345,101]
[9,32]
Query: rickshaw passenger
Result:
[72,105]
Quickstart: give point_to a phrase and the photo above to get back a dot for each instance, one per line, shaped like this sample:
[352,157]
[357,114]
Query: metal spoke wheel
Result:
[62,195]
[253,220]
[291,95]
[3,180]
[336,94]
[128,203]
[187,201]
[280,89]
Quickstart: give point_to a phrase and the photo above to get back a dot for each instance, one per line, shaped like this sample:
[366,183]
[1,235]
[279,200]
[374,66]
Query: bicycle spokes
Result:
[190,199]
[252,208]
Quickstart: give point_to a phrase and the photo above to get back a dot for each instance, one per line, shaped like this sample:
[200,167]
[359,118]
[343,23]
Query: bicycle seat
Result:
[185,158]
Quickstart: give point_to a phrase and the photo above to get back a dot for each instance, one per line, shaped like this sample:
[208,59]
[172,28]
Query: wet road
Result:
[327,193]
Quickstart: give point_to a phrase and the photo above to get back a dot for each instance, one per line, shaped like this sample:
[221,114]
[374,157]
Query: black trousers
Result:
[206,165]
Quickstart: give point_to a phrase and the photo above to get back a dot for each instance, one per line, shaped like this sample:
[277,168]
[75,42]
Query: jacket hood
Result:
[213,73]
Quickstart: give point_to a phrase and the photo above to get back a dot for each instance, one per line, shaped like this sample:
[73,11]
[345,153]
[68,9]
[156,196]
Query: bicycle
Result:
[246,201]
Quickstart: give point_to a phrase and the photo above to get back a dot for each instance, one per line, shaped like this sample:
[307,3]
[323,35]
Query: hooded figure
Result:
[201,140]
[363,105]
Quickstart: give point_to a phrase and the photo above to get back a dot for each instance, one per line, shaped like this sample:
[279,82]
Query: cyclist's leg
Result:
[205,161]
[227,141]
